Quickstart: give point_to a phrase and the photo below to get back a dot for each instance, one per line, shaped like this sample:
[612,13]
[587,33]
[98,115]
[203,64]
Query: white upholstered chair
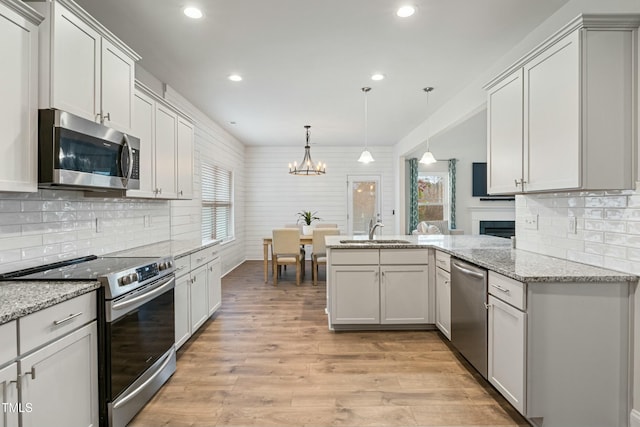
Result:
[285,250]
[319,255]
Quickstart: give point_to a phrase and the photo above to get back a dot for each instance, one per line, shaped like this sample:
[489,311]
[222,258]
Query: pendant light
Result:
[307,166]
[366,156]
[427,157]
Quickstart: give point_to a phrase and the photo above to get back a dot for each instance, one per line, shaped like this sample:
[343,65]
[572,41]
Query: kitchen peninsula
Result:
[558,331]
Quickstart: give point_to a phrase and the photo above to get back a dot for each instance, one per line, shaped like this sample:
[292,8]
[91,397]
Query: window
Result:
[217,202]
[433,196]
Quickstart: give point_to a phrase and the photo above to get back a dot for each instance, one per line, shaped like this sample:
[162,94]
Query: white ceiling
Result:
[304,61]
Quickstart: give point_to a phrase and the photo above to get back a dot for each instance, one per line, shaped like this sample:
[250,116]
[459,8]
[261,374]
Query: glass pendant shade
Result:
[366,157]
[307,166]
[427,158]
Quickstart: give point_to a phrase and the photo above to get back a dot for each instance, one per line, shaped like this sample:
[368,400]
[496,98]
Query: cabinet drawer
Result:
[183,265]
[46,325]
[9,340]
[508,290]
[355,256]
[442,260]
[404,256]
[202,257]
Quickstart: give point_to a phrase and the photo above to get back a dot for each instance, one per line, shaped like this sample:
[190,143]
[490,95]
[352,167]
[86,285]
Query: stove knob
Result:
[169,264]
[125,280]
[134,277]
[162,266]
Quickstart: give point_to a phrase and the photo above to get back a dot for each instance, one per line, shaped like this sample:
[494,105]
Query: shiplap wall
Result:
[54,225]
[212,144]
[274,197]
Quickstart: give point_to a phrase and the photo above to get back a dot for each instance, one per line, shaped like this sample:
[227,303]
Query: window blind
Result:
[217,202]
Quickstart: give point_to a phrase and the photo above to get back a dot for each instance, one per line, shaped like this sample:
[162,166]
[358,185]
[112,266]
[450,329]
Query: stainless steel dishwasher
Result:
[469,313]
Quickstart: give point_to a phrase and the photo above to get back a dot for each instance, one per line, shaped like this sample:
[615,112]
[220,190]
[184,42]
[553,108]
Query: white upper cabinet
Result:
[563,117]
[85,69]
[166,147]
[18,96]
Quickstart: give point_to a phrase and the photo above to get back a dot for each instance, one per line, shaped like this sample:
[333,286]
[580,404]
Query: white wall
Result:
[54,225]
[274,197]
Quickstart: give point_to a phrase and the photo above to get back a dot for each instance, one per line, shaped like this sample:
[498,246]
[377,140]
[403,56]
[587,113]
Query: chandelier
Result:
[307,166]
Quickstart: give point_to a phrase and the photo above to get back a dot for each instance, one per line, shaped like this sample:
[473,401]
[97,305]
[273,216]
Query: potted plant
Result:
[307,217]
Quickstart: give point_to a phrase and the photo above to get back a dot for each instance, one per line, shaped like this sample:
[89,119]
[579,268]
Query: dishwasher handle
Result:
[463,269]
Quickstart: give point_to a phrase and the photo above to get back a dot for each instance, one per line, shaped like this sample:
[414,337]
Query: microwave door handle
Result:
[127,173]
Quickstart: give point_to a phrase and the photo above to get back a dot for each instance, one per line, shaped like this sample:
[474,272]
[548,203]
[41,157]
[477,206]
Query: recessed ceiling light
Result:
[377,76]
[193,12]
[406,11]
[235,78]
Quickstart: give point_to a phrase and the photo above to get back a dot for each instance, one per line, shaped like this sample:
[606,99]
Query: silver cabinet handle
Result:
[107,116]
[181,193]
[181,268]
[32,372]
[487,306]
[66,319]
[200,259]
[501,289]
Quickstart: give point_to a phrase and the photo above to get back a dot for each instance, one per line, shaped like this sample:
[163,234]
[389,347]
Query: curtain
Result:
[452,193]
[413,194]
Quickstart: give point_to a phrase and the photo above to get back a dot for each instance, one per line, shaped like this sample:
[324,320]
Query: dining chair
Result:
[285,250]
[319,254]
[326,225]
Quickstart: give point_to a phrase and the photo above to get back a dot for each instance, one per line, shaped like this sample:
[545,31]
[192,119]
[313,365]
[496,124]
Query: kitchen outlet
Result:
[571,225]
[98,225]
[531,222]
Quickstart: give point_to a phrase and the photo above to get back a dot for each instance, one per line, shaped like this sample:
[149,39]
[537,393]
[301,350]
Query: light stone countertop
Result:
[175,248]
[22,298]
[495,254]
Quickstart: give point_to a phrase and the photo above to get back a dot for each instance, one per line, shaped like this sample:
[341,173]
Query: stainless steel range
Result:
[136,326]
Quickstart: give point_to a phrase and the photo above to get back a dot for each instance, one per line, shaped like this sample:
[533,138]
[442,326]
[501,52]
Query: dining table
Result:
[305,239]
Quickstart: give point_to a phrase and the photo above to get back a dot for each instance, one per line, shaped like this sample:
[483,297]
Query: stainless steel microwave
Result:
[77,153]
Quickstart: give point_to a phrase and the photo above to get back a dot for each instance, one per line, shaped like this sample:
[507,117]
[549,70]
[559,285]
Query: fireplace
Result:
[505,229]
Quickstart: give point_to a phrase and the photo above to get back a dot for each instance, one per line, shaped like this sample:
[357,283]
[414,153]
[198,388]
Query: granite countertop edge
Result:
[487,253]
[20,299]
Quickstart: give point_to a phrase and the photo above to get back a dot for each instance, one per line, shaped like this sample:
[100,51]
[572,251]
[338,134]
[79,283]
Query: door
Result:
[355,295]
[215,288]
[9,396]
[507,351]
[18,102]
[76,66]
[443,302]
[363,203]
[185,159]
[144,128]
[182,310]
[166,132]
[198,297]
[404,294]
[63,385]
[552,117]
[504,135]
[117,88]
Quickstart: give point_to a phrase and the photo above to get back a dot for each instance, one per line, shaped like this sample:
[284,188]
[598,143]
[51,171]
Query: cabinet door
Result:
[63,385]
[185,159]
[166,132]
[198,298]
[117,87]
[552,117]
[504,135]
[18,102]
[355,294]
[443,302]
[9,396]
[182,310]
[404,294]
[507,351]
[214,285]
[75,71]
[144,128]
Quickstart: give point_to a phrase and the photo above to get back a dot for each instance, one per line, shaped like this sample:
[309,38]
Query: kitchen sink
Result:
[376,242]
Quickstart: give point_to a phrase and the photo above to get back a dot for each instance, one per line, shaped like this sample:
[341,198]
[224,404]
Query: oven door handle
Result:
[160,289]
[142,386]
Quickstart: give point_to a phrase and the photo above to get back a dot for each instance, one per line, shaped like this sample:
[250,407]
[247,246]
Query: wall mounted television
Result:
[479,183]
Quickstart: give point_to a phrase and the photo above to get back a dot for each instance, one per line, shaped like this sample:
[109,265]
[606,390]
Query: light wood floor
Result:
[268,359]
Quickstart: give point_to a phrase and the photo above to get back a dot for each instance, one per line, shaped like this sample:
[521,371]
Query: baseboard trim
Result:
[635,418]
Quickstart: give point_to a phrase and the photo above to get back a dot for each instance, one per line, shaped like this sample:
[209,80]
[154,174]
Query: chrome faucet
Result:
[372,227]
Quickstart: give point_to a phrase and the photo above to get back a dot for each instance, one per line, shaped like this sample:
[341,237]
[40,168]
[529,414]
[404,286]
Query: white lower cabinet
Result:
[404,294]
[59,383]
[214,285]
[507,337]
[198,297]
[182,315]
[9,396]
[443,302]
[378,286]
